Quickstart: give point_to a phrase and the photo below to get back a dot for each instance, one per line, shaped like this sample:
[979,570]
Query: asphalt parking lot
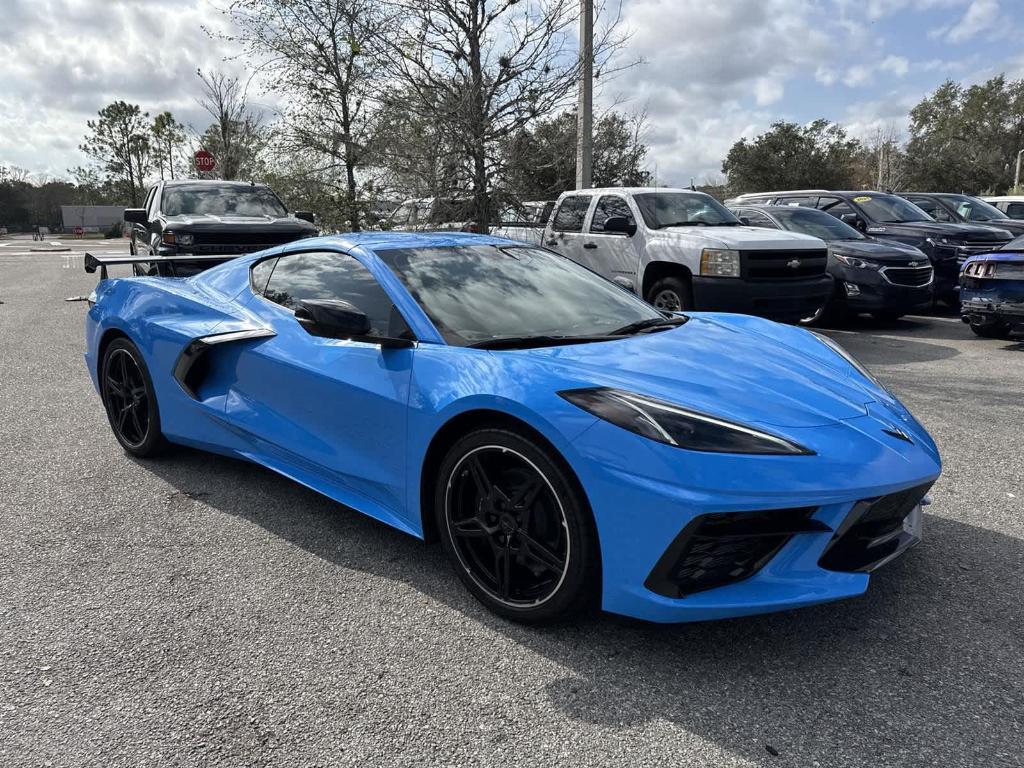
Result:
[201,611]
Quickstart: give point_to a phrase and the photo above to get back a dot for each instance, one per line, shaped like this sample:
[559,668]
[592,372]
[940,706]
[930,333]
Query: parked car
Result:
[682,250]
[525,221]
[434,214]
[568,444]
[886,216]
[963,209]
[1011,205]
[887,279]
[210,218]
[992,290]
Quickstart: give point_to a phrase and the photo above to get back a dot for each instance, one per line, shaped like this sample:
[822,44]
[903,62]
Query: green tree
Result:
[541,160]
[967,139]
[168,143]
[791,156]
[118,142]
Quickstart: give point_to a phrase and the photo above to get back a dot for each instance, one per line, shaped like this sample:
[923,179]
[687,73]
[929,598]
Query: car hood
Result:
[877,250]
[207,222]
[738,367]
[741,238]
[1013,226]
[959,232]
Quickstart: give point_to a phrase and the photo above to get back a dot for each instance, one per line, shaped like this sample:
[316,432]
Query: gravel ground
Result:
[201,611]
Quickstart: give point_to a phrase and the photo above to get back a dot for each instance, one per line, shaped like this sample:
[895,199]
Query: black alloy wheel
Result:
[515,528]
[129,399]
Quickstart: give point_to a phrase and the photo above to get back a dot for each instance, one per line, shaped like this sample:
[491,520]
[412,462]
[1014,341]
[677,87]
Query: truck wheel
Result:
[672,294]
[996,330]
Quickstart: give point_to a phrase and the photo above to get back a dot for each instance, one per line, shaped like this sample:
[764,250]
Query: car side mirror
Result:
[338,319]
[136,215]
[306,216]
[744,221]
[619,224]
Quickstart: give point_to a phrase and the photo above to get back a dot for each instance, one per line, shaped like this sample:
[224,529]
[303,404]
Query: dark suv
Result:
[210,218]
[887,279]
[963,209]
[885,216]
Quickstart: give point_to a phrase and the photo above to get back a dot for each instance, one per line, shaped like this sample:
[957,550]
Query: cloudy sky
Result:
[712,71]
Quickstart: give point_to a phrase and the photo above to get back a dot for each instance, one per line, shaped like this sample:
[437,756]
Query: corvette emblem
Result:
[898,433]
[793,264]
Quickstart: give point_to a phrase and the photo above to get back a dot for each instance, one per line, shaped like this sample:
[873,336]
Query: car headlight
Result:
[853,261]
[839,350]
[178,238]
[673,425]
[715,262]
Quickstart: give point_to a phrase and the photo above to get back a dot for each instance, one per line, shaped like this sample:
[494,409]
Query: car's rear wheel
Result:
[671,294]
[516,528]
[130,401]
[996,330]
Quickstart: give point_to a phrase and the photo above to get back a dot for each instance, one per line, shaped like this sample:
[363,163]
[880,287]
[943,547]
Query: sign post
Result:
[205,162]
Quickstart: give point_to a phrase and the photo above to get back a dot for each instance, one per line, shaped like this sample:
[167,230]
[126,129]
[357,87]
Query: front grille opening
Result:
[783,265]
[912,276]
[723,548]
[872,532]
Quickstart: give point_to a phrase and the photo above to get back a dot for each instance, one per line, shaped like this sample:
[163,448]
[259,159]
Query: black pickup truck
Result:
[210,218]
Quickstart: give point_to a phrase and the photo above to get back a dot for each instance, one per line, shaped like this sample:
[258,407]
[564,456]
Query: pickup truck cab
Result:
[210,218]
[681,249]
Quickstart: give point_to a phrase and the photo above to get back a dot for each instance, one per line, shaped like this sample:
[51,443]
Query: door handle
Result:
[590,245]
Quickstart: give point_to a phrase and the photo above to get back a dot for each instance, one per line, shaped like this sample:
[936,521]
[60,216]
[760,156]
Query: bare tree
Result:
[482,70]
[325,56]
[236,135]
[168,142]
[889,160]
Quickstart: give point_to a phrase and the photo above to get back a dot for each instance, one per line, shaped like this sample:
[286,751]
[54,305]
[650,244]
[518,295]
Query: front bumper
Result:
[642,510]
[865,290]
[776,299]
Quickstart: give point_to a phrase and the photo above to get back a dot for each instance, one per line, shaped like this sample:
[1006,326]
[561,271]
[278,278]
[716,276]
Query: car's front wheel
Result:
[996,330]
[516,528]
[671,294]
[129,399]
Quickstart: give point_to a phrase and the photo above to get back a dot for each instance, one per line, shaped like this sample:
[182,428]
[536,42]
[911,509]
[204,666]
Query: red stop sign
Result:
[205,162]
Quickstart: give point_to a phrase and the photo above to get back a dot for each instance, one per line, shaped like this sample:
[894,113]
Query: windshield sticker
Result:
[872,230]
[862,199]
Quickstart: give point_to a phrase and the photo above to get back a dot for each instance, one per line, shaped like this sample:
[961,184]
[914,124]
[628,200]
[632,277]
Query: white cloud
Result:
[826,75]
[897,65]
[980,16]
[856,76]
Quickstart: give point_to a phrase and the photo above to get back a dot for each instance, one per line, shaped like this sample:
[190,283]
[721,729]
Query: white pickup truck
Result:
[681,249]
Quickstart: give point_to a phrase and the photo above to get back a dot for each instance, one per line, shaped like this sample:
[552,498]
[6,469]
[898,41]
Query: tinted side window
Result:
[1015,210]
[609,206]
[835,206]
[333,276]
[260,275]
[571,213]
[756,218]
[932,208]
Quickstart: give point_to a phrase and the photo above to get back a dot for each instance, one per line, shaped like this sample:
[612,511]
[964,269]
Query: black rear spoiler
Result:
[92,263]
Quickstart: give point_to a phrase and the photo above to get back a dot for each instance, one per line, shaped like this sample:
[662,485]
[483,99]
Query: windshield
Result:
[228,200]
[973,209]
[681,209]
[475,293]
[889,209]
[810,221]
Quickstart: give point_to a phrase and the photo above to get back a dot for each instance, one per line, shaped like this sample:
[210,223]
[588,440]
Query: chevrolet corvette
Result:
[569,445]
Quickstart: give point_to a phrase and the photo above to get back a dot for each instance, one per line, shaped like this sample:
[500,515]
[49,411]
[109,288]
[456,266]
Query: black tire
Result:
[672,294]
[130,401]
[996,330]
[516,528]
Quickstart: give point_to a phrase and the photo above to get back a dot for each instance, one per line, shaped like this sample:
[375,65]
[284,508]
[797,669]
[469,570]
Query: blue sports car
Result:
[568,444]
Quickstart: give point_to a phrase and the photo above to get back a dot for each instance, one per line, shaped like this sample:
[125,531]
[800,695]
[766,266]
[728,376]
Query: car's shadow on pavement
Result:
[926,669]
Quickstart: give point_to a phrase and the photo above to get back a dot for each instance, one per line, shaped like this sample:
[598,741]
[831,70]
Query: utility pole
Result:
[585,108]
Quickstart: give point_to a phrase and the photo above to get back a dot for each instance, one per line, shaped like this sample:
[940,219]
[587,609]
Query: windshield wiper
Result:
[649,324]
[683,224]
[723,224]
[525,342]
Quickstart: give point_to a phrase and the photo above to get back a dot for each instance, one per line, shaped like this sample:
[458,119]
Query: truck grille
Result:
[783,265]
[239,242]
[911,276]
